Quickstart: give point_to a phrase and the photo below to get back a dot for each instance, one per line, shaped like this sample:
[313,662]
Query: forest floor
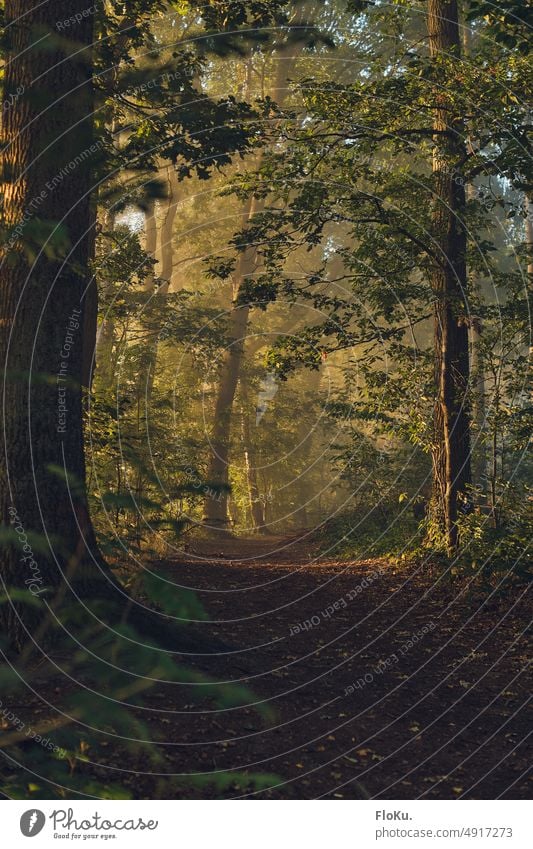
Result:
[384,682]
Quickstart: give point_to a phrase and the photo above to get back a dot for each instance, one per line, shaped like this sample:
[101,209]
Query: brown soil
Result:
[380,682]
[441,712]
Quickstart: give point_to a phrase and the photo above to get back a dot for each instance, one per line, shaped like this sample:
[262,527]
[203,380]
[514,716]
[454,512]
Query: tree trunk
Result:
[149,358]
[480,471]
[167,230]
[150,240]
[451,453]
[105,337]
[529,235]
[166,262]
[90,313]
[477,368]
[216,509]
[166,251]
[257,507]
[48,150]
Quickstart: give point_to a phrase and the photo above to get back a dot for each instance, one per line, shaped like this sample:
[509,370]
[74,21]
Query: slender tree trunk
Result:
[529,243]
[105,337]
[47,152]
[145,375]
[216,510]
[90,319]
[90,312]
[167,230]
[149,358]
[166,263]
[451,454]
[529,234]
[150,240]
[257,508]
[477,365]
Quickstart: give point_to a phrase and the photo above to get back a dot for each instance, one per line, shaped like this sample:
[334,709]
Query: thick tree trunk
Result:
[451,454]
[48,150]
[47,542]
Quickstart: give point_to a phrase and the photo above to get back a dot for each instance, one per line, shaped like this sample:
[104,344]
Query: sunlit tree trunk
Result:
[167,230]
[150,240]
[308,445]
[47,153]
[158,245]
[451,453]
[145,374]
[105,334]
[105,337]
[216,510]
[529,243]
[90,316]
[529,234]
[257,509]
[165,256]
[477,366]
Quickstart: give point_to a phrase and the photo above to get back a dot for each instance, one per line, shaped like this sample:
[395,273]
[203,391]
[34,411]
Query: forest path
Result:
[384,682]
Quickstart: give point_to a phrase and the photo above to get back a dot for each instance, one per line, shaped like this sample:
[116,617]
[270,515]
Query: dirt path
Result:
[382,683]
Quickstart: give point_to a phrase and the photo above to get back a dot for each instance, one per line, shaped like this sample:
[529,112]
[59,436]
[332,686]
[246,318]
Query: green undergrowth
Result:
[89,720]
[361,536]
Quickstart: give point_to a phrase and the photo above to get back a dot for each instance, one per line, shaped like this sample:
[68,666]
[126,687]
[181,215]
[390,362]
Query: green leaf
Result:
[176,601]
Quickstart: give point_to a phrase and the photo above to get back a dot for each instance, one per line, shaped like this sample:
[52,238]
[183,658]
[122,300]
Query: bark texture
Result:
[451,453]
[477,365]
[48,150]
